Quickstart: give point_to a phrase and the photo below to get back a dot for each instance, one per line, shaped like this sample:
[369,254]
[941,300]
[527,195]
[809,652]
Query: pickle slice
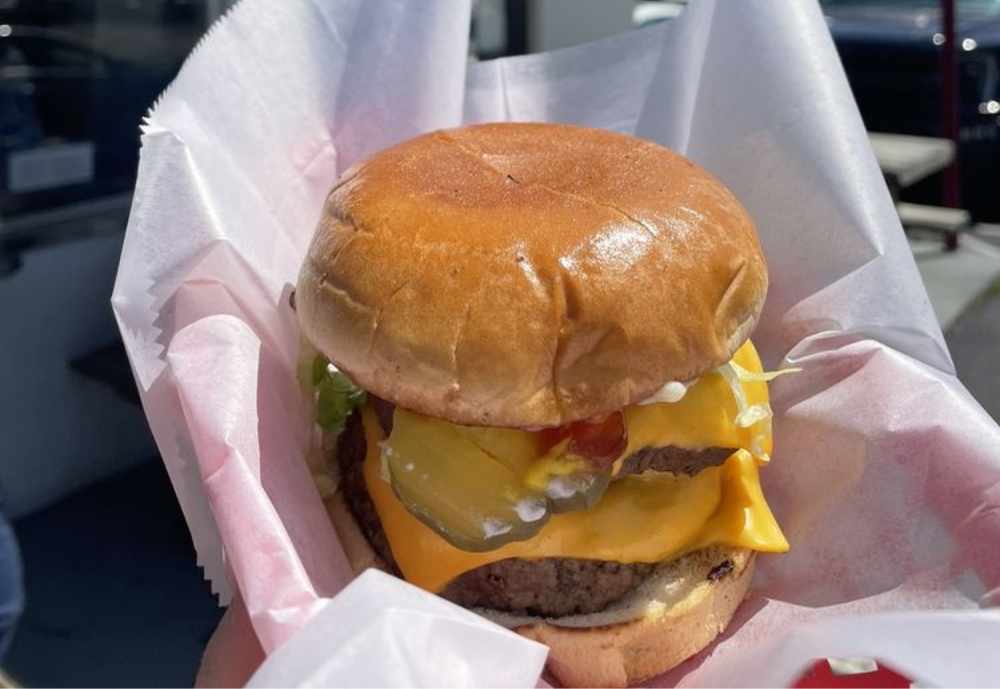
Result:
[569,481]
[474,498]
[579,490]
[515,449]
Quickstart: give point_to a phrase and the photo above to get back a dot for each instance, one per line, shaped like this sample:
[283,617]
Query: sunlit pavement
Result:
[954,279]
[964,288]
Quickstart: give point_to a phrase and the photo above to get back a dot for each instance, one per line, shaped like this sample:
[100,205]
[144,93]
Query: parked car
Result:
[46,12]
[184,10]
[891,50]
[61,12]
[62,103]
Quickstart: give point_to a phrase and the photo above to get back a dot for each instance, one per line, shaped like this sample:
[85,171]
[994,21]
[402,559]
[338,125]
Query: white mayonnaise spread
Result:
[673,391]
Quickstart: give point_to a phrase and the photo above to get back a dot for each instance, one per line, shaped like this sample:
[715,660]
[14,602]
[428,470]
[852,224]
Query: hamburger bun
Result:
[528,275]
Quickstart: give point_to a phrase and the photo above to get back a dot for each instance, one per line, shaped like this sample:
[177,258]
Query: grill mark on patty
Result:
[676,460]
[720,570]
[550,587]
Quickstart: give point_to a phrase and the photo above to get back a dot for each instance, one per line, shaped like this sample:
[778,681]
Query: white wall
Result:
[561,23]
[59,430]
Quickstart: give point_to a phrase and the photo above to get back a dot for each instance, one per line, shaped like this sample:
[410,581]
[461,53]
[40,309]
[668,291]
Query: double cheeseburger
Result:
[531,342]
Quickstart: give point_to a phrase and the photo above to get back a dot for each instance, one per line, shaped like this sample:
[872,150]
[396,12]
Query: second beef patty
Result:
[550,587]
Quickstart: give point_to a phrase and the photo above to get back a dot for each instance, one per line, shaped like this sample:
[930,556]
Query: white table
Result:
[905,160]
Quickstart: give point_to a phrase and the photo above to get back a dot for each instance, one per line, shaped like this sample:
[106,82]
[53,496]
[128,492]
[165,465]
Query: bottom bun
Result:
[680,610]
[619,655]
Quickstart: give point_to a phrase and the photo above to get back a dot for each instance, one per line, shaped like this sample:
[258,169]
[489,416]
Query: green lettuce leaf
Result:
[336,395]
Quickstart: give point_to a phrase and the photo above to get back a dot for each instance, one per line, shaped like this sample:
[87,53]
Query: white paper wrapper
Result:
[886,474]
[433,651]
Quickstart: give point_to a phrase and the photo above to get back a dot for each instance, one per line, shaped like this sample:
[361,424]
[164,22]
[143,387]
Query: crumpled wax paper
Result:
[886,474]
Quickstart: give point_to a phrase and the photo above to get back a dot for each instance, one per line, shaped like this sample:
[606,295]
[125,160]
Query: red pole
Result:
[949,108]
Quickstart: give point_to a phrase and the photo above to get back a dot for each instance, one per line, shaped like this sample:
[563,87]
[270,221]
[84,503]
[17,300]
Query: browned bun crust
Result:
[626,653]
[529,274]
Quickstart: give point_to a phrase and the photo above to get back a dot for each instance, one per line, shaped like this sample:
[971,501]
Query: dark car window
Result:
[74,89]
[10,55]
[52,52]
[69,57]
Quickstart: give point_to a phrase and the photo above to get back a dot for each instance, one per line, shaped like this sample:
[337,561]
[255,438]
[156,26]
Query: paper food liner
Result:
[886,473]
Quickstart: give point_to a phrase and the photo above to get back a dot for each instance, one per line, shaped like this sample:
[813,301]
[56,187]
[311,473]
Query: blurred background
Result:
[111,592]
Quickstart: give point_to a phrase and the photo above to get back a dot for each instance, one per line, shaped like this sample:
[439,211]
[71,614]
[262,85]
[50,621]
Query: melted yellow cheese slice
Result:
[646,518]
[703,417]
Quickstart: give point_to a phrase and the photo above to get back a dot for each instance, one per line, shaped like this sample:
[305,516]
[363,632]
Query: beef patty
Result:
[550,587]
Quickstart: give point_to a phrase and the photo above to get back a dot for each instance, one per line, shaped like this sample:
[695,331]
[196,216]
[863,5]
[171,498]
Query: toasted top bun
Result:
[528,275]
